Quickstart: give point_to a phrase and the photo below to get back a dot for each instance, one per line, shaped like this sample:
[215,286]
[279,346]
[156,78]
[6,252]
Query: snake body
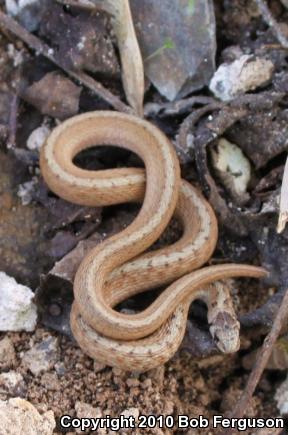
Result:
[115,269]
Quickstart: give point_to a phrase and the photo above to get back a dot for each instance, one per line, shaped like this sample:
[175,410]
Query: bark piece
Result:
[54,95]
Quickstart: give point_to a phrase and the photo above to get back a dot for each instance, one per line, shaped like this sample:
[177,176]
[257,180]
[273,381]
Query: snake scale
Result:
[117,268]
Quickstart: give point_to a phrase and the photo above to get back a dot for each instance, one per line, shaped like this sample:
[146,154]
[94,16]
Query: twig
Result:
[178,107]
[262,318]
[82,4]
[276,431]
[283,214]
[43,49]
[261,361]
[270,20]
[11,143]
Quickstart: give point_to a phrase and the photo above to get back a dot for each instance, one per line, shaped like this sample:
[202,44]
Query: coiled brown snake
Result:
[114,270]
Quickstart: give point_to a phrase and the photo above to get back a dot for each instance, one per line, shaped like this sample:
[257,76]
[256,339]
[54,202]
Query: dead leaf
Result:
[131,59]
[178,44]
[283,215]
[54,95]
[80,40]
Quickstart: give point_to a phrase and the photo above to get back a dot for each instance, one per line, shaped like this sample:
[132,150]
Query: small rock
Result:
[169,407]
[244,74]
[157,375]
[98,367]
[131,412]
[42,356]
[25,191]
[281,398]
[17,311]
[7,354]
[60,368]
[50,381]
[232,167]
[18,417]
[38,137]
[132,382]
[28,12]
[146,384]
[11,384]
[84,410]
[199,383]
[204,399]
[117,372]
[15,55]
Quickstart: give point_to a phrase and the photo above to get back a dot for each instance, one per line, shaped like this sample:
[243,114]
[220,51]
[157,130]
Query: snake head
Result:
[225,332]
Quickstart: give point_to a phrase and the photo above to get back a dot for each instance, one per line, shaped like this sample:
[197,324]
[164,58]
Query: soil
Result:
[181,387]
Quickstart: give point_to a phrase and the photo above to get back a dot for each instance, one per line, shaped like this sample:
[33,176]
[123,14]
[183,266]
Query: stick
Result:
[261,361]
[270,20]
[40,47]
[11,143]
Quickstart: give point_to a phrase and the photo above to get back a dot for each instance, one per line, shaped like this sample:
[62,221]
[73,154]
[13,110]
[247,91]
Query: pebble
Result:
[37,138]
[11,384]
[132,382]
[98,367]
[169,407]
[244,74]
[42,356]
[281,398]
[50,381]
[84,410]
[232,167]
[28,12]
[25,191]
[7,354]
[60,368]
[146,384]
[117,372]
[17,311]
[157,375]
[199,383]
[25,417]
[131,412]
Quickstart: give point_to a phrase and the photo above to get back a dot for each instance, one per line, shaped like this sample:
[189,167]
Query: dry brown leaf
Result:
[83,4]
[283,214]
[131,58]
[54,95]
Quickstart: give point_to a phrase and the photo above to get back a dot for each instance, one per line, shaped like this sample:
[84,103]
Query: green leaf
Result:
[168,44]
[191,7]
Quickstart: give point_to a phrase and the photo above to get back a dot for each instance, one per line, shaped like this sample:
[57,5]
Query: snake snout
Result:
[225,332]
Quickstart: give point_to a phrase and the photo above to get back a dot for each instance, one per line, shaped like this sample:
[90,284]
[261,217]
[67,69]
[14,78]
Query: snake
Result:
[120,266]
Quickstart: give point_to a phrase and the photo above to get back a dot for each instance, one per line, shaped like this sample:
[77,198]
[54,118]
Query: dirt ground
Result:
[182,386]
